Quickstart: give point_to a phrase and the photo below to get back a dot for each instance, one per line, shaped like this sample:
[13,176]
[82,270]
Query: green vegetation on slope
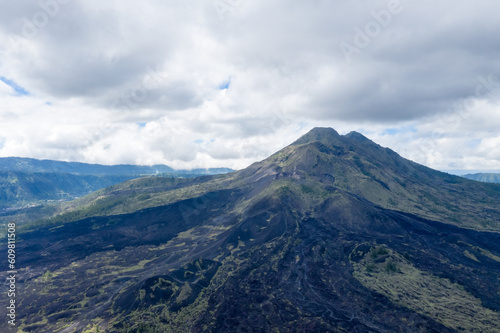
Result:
[390,274]
[18,188]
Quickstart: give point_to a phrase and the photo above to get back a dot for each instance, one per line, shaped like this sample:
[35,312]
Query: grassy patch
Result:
[470,256]
[434,297]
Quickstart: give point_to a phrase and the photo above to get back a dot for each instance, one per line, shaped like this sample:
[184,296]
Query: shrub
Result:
[378,251]
[391,267]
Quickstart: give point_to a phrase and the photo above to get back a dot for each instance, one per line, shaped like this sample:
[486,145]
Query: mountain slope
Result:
[332,233]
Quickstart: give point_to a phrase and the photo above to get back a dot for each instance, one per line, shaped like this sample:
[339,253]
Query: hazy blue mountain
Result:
[34,165]
[484,177]
[333,233]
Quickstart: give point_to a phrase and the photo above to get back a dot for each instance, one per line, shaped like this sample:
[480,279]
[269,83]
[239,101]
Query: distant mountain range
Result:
[333,233]
[77,168]
[484,177]
[25,181]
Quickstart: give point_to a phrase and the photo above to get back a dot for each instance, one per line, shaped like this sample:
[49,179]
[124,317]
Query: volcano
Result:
[333,233]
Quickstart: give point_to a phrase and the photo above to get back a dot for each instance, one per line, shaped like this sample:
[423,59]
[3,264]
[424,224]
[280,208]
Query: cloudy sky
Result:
[227,82]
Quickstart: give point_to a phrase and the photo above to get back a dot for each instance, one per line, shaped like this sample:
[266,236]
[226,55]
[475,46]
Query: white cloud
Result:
[105,67]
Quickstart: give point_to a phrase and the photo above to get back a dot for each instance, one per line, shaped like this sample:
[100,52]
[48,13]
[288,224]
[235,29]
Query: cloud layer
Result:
[228,82]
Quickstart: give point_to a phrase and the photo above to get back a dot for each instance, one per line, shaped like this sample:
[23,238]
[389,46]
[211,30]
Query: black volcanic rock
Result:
[333,233]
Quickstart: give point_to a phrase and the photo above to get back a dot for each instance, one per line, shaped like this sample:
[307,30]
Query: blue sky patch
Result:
[474,143]
[225,85]
[20,91]
[391,131]
[394,131]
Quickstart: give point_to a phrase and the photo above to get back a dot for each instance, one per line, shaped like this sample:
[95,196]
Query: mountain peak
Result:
[322,134]
[356,136]
[323,131]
